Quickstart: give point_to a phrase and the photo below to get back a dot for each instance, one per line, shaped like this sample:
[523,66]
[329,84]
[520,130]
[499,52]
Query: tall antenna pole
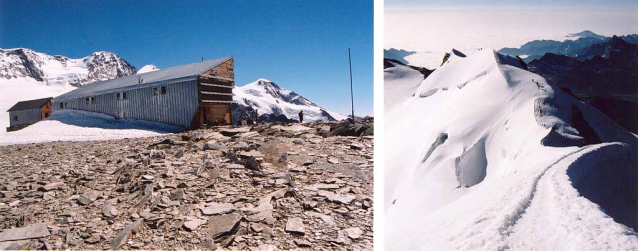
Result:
[351,95]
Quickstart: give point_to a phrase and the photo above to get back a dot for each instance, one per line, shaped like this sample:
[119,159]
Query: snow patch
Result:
[73,125]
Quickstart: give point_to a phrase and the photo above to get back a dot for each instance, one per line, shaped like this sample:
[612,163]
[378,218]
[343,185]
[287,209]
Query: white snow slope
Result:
[488,156]
[72,125]
[268,98]
[400,82]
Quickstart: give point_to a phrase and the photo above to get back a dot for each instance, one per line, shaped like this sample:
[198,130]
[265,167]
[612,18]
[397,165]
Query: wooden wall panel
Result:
[224,70]
[216,113]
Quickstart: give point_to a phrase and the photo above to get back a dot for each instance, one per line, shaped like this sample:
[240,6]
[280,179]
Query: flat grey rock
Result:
[218,208]
[338,198]
[234,166]
[354,232]
[193,224]
[223,225]
[51,186]
[28,232]
[295,225]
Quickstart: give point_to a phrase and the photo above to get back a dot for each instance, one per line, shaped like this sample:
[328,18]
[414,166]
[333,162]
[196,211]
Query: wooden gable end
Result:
[224,70]
[215,94]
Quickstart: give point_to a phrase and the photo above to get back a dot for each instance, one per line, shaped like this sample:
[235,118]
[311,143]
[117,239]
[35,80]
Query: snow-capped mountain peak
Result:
[61,70]
[268,98]
[147,68]
[265,86]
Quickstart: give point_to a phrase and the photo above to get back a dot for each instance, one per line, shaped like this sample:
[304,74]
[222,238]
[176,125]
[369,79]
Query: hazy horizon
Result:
[432,32]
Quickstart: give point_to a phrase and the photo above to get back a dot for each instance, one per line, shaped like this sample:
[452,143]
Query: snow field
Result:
[72,125]
[507,175]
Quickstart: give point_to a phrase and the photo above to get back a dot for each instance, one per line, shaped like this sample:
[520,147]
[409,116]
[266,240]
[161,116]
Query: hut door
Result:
[205,115]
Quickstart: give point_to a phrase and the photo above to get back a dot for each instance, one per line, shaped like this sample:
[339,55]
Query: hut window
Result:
[121,95]
[118,96]
[90,100]
[230,69]
[61,105]
[163,89]
[65,105]
[215,71]
[155,91]
[15,118]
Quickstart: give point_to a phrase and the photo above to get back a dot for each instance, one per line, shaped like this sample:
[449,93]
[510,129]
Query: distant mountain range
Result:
[573,48]
[27,66]
[397,54]
[61,70]
[604,75]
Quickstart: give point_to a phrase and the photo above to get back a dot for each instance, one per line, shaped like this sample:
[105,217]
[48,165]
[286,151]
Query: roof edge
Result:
[40,103]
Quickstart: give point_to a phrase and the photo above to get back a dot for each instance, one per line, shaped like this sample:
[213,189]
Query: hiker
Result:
[243,120]
[301,117]
[256,116]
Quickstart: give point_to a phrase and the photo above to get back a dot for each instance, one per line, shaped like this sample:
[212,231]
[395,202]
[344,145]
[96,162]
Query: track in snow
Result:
[556,213]
[513,218]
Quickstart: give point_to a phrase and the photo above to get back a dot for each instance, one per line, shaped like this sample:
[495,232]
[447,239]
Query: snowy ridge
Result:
[61,70]
[488,156]
[269,98]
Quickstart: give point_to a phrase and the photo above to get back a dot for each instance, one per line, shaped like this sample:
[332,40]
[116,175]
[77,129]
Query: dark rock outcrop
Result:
[607,80]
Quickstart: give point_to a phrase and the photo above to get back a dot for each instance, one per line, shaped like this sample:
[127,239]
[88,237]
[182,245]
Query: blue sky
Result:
[300,45]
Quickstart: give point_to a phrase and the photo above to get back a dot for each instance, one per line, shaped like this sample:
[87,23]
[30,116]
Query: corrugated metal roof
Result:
[131,82]
[29,104]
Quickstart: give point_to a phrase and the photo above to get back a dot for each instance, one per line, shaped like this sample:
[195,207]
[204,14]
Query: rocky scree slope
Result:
[267,187]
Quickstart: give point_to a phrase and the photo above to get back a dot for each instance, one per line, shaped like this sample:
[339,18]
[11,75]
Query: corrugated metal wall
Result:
[176,107]
[25,117]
